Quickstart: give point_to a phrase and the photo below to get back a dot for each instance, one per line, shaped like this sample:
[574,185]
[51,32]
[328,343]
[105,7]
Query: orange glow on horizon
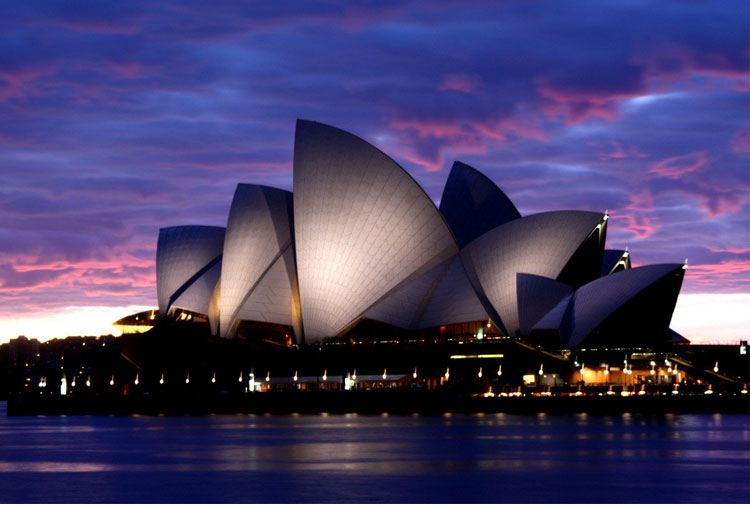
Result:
[70,321]
[701,318]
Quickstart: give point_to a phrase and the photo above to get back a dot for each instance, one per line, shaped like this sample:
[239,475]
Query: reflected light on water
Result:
[447,458]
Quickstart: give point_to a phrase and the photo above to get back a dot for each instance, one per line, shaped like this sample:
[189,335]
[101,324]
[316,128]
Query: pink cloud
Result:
[636,216]
[460,82]
[127,69]
[719,275]
[621,152]
[578,106]
[16,83]
[738,251]
[675,167]
[719,203]
[639,225]
[458,137]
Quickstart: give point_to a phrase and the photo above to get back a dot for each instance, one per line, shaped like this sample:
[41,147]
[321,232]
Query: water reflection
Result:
[448,458]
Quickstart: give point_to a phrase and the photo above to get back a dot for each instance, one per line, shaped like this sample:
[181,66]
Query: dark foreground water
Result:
[349,458]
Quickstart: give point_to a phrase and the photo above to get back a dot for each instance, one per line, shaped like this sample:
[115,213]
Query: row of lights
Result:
[627,370]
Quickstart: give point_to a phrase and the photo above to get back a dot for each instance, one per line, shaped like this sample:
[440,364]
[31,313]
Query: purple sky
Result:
[123,117]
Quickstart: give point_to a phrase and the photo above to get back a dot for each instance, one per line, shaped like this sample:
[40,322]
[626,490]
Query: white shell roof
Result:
[595,301]
[274,298]
[404,305]
[181,253]
[197,297]
[362,226]
[453,300]
[540,244]
[537,295]
[258,233]
[472,204]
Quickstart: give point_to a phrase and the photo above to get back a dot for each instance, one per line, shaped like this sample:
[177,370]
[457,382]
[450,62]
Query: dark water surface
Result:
[349,458]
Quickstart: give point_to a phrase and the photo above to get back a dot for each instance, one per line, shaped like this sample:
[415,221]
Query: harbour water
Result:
[494,458]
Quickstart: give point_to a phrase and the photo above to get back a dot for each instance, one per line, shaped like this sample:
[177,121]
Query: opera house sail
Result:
[362,227]
[188,263]
[358,241]
[258,272]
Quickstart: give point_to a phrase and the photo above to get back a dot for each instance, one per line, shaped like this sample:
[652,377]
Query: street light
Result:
[480,372]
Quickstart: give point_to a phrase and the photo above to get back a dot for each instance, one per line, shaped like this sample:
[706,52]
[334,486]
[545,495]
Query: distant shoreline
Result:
[377,402]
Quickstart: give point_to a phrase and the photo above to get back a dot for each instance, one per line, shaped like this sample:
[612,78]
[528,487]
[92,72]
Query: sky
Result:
[119,118]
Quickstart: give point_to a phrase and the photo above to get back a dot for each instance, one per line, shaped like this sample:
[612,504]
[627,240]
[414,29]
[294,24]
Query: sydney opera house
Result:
[360,250]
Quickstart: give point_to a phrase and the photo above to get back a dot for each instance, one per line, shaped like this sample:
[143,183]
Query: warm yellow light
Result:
[325,375]
[477,356]
[69,321]
[136,382]
[213,378]
[447,373]
[161,380]
[187,379]
[480,372]
[295,376]
[112,380]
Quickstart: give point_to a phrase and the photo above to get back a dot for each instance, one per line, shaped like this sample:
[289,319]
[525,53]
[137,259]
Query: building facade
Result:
[360,246]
